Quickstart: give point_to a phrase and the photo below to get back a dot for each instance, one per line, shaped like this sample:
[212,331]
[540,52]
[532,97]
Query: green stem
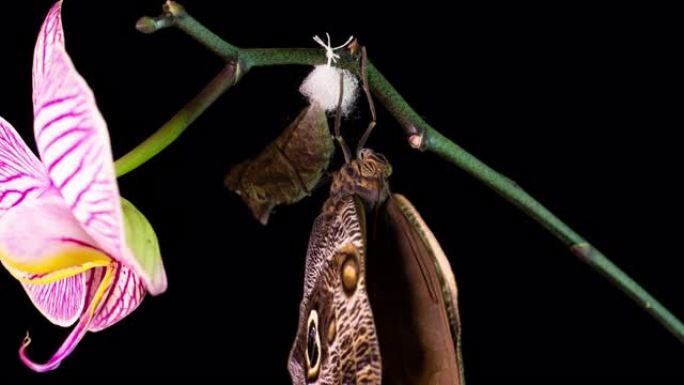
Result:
[262,57]
[442,146]
[167,133]
[424,137]
[199,32]
[175,15]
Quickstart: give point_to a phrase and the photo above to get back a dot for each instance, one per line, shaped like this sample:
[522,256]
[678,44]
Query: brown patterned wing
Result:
[414,298]
[336,341]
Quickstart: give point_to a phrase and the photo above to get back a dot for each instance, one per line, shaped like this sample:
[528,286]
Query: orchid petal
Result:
[41,242]
[73,143]
[51,34]
[123,296]
[21,173]
[72,139]
[113,292]
[61,302]
[128,290]
[75,336]
[142,242]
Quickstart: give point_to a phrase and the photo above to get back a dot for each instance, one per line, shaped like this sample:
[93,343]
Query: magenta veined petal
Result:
[60,302]
[124,296]
[72,139]
[76,335]
[51,34]
[41,242]
[113,292]
[74,146]
[21,173]
[45,248]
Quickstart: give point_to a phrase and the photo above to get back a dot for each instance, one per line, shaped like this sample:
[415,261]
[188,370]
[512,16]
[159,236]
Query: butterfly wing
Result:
[413,294]
[336,340]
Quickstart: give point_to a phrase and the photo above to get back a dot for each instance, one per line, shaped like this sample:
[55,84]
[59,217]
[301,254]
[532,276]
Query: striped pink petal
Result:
[96,292]
[47,250]
[123,296]
[41,242]
[60,302]
[107,295]
[63,352]
[74,146]
[51,34]
[72,139]
[21,173]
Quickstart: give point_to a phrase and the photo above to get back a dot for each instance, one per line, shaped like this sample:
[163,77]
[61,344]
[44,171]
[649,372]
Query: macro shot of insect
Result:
[201,191]
[380,298]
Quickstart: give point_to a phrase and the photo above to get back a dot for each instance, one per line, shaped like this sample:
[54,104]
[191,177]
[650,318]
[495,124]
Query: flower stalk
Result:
[172,129]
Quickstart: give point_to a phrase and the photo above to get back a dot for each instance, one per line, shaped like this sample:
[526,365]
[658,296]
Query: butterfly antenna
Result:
[369,98]
[338,123]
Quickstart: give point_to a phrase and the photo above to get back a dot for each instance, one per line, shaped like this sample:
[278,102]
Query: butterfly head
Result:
[365,176]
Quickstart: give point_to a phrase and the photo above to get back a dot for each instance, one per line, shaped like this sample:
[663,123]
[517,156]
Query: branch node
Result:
[146,25]
[583,250]
[175,9]
[416,141]
[150,25]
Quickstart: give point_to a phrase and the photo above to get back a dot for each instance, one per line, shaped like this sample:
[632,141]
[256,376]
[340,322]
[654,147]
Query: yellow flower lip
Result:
[66,263]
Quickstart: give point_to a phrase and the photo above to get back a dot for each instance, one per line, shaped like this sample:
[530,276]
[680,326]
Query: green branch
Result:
[421,135]
[442,146]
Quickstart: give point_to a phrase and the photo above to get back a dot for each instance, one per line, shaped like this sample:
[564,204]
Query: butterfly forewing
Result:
[336,342]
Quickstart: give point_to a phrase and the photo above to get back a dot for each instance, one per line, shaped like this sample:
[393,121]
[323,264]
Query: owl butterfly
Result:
[379,301]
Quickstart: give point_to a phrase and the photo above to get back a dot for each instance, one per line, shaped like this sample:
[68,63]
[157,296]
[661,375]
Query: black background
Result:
[575,104]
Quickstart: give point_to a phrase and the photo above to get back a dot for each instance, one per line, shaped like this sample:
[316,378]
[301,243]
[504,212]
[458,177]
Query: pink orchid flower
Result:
[63,226]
